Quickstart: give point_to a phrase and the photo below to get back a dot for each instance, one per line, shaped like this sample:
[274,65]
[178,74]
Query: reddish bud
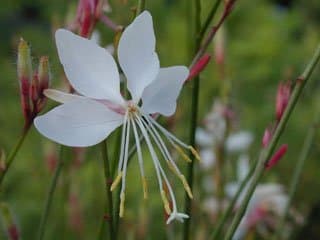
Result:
[34,89]
[24,70]
[44,74]
[75,213]
[282,98]
[3,164]
[87,14]
[13,232]
[277,156]
[256,215]
[219,47]
[8,223]
[199,66]
[266,137]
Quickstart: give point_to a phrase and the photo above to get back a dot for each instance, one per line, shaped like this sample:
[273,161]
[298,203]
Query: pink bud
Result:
[219,47]
[44,74]
[24,69]
[75,213]
[34,89]
[266,137]
[282,98]
[87,14]
[199,66]
[13,232]
[277,156]
[256,215]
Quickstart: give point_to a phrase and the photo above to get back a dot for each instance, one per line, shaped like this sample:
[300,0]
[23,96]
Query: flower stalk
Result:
[193,124]
[109,204]
[296,176]
[48,203]
[13,154]
[267,152]
[222,220]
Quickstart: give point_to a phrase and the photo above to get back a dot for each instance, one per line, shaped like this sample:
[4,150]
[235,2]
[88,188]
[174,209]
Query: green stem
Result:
[141,6]
[295,178]
[49,199]
[209,18]
[109,205]
[216,233]
[201,50]
[267,153]
[13,153]
[193,126]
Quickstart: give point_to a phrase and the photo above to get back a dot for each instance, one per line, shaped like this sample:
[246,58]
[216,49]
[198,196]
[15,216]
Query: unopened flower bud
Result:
[34,89]
[44,74]
[87,14]
[7,220]
[219,47]
[24,69]
[199,66]
[277,156]
[266,137]
[282,98]
[2,161]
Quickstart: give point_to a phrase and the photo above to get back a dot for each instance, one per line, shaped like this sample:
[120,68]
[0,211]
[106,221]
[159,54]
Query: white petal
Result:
[78,123]
[243,167]
[161,95]
[90,69]
[59,96]
[137,56]
[177,216]
[239,142]
[204,138]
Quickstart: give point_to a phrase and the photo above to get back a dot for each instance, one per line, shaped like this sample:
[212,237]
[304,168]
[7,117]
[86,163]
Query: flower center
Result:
[132,108]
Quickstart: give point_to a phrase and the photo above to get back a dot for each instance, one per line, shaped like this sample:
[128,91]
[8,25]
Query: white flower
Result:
[239,142]
[88,118]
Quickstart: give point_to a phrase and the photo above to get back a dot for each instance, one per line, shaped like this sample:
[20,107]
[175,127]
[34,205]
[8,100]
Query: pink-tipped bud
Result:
[34,89]
[219,47]
[8,223]
[199,66]
[277,156]
[87,14]
[266,137]
[44,74]
[75,213]
[24,70]
[3,164]
[13,232]
[282,98]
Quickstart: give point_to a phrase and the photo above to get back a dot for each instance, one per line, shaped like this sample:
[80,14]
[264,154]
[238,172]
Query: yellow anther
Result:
[122,199]
[186,186]
[195,153]
[116,181]
[145,188]
[182,153]
[172,168]
[165,202]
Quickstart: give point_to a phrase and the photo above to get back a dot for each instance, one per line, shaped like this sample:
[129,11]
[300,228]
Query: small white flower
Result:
[88,118]
[239,142]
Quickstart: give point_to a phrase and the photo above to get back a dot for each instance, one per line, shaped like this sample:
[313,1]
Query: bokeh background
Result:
[266,42]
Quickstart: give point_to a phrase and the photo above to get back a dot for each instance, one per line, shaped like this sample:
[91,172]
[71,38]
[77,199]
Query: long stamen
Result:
[157,138]
[117,180]
[155,161]
[172,139]
[140,159]
[166,133]
[123,139]
[125,163]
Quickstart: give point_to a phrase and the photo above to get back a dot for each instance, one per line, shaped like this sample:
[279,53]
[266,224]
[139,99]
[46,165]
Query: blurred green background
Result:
[266,42]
